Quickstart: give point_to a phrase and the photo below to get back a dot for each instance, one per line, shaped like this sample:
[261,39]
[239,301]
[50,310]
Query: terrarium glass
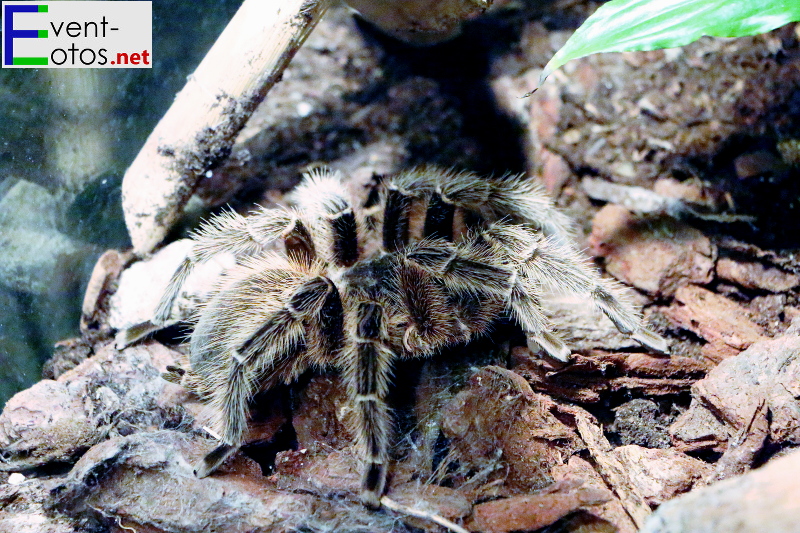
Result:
[66,137]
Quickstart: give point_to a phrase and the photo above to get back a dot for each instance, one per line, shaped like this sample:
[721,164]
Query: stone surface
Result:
[142,285]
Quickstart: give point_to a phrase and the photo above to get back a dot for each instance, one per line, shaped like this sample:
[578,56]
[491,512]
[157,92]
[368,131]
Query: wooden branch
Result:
[200,127]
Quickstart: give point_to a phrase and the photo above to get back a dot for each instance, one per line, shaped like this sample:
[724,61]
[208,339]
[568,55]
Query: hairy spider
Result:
[457,251]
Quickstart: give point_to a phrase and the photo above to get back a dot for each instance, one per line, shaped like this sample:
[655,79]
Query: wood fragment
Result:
[419,513]
[753,275]
[612,470]
[744,446]
[529,512]
[713,317]
[200,127]
[662,474]
[765,499]
[656,254]
[588,377]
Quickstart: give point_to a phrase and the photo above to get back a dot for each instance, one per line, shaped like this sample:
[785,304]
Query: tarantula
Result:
[456,252]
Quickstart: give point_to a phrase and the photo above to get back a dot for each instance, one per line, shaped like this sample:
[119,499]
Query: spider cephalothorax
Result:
[457,251]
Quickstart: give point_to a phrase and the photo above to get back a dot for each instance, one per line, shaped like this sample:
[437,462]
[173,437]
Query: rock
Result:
[662,474]
[50,423]
[418,21]
[765,499]
[654,254]
[67,355]
[142,285]
[35,254]
[23,508]
[20,357]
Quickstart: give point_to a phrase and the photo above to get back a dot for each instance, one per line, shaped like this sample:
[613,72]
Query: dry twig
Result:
[200,127]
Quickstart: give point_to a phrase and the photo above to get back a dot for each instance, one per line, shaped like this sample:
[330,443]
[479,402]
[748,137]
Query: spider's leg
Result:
[252,335]
[517,198]
[396,218]
[367,367]
[464,267]
[242,236]
[321,195]
[430,314]
[555,265]
[524,301]
[472,267]
[439,217]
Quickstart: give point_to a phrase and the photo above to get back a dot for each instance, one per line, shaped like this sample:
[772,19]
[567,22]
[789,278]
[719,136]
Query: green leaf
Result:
[630,25]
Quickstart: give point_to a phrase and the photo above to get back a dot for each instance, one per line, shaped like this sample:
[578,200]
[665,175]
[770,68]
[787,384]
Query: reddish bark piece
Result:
[725,401]
[713,317]
[102,283]
[608,465]
[661,474]
[498,412]
[744,446]
[320,473]
[752,275]
[656,254]
[533,511]
[716,350]
[698,429]
[442,501]
[762,500]
[611,511]
[676,366]
[587,377]
[555,171]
